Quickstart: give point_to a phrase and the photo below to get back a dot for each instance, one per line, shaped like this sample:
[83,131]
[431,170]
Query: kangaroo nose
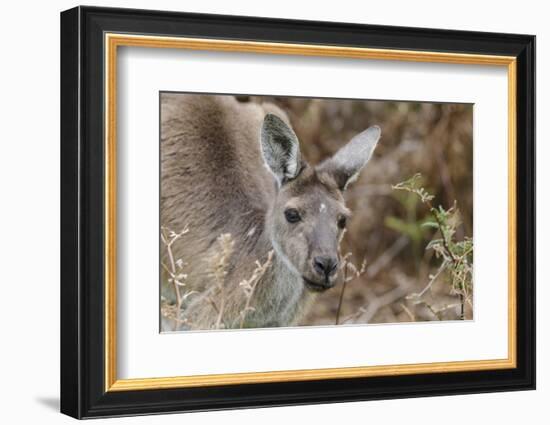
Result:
[325,265]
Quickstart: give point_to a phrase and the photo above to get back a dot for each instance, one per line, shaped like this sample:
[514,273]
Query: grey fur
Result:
[347,163]
[213,182]
[280,148]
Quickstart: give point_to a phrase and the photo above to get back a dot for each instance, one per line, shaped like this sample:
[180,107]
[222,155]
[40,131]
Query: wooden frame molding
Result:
[114,40]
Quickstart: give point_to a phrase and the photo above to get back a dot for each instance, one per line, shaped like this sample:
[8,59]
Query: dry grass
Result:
[176,277]
[174,314]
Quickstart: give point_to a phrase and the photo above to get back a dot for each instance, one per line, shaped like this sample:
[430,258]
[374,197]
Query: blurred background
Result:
[387,231]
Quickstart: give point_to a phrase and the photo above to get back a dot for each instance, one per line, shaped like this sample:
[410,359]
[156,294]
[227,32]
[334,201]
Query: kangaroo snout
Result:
[325,266]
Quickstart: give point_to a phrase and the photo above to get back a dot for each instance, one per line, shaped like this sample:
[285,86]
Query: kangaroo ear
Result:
[346,164]
[280,149]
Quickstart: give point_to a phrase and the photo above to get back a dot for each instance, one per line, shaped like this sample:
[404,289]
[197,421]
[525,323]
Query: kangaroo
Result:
[235,168]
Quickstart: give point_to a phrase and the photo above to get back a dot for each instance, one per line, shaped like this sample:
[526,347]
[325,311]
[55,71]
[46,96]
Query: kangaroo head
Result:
[309,214]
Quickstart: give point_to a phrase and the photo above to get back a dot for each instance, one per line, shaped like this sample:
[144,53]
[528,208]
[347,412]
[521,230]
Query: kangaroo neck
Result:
[280,291]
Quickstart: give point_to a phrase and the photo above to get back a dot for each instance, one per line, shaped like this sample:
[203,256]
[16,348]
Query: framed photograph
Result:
[261,212]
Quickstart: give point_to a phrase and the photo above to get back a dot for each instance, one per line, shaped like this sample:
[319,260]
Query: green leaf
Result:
[432,224]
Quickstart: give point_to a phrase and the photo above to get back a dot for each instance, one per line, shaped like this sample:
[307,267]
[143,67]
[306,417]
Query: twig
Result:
[379,264]
[340,300]
[220,312]
[172,270]
[384,259]
[344,259]
[219,272]
[432,280]
[434,312]
[366,313]
[456,264]
[408,312]
[440,226]
[250,285]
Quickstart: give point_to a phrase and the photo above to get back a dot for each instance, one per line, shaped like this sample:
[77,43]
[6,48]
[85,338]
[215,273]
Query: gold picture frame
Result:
[114,41]
[91,40]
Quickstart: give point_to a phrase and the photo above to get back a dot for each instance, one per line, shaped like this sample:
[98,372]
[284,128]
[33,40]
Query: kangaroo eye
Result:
[342,222]
[292,215]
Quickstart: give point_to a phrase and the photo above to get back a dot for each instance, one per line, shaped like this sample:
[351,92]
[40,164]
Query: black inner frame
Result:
[82,212]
